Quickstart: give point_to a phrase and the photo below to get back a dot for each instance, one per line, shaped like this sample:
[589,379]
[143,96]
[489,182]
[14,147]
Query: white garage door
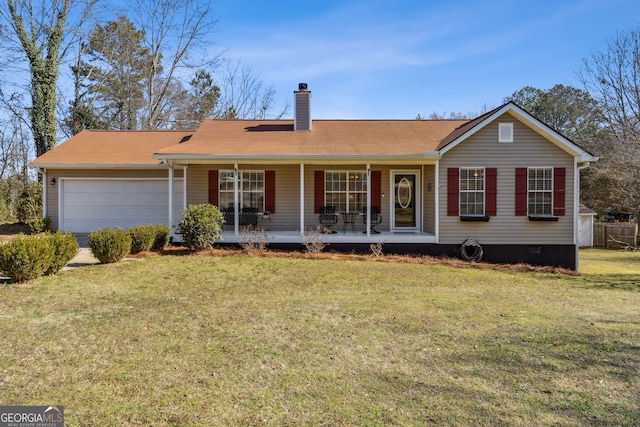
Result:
[91,204]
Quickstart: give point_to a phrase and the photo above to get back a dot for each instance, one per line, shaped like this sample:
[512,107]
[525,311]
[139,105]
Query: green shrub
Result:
[30,203]
[64,247]
[26,257]
[109,244]
[200,226]
[142,238]
[39,225]
[162,236]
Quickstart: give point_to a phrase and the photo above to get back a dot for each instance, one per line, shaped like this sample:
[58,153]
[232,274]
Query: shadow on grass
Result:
[580,378]
[623,282]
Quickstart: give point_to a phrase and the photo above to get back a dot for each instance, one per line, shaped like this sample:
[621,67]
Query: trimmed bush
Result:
[109,244]
[200,226]
[39,225]
[64,247]
[162,236]
[25,258]
[142,238]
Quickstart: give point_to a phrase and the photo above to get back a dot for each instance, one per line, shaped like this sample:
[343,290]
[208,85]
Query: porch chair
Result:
[228,215]
[376,219]
[328,217]
[249,216]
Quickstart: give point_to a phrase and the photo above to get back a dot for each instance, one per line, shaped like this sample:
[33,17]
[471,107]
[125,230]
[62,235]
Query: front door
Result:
[405,201]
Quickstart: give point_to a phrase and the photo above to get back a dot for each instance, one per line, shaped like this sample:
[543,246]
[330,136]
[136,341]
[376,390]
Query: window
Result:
[540,191]
[250,189]
[472,191]
[505,132]
[346,191]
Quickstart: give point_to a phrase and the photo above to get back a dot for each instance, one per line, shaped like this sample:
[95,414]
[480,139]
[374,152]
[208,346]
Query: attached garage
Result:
[89,204]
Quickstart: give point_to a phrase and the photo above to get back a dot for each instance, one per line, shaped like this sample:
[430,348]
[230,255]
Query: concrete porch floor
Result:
[347,237]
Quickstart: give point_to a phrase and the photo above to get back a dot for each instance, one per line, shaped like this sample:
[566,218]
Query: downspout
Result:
[437,200]
[422,197]
[576,202]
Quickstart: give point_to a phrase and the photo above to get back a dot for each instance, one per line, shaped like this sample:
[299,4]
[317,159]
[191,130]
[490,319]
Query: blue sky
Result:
[396,59]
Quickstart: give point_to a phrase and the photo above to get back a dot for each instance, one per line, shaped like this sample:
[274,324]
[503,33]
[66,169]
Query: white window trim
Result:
[240,191]
[484,190]
[347,172]
[505,132]
[529,191]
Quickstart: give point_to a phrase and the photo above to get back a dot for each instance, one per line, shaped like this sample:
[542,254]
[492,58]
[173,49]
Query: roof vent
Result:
[302,108]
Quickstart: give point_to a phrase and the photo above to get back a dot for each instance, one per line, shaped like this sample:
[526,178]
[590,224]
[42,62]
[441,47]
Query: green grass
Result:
[240,340]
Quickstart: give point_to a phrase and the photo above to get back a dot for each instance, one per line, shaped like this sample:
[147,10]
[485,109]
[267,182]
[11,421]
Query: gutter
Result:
[306,158]
[159,166]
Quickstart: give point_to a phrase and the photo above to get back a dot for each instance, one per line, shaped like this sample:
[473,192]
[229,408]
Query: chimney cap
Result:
[302,86]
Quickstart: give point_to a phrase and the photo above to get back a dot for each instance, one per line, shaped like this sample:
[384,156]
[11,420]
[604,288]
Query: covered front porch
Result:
[392,201]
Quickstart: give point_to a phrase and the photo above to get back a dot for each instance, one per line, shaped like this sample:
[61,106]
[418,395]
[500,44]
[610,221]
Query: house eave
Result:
[97,166]
[184,159]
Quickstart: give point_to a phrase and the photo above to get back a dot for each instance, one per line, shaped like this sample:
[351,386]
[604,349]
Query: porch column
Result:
[44,192]
[236,198]
[368,215]
[171,198]
[184,187]
[301,199]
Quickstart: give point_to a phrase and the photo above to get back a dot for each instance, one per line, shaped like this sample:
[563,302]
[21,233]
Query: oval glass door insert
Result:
[404,193]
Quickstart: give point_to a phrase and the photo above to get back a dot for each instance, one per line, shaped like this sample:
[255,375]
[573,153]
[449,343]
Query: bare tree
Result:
[244,95]
[612,77]
[176,36]
[43,34]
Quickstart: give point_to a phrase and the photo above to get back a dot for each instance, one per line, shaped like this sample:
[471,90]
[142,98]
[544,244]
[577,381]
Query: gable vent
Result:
[505,132]
[302,108]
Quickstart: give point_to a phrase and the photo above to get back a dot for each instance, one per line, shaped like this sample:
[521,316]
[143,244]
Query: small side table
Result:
[348,218]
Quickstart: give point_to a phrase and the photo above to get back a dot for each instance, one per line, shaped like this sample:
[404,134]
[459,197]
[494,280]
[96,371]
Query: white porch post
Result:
[301,198]
[44,192]
[171,197]
[236,198]
[368,215]
[184,187]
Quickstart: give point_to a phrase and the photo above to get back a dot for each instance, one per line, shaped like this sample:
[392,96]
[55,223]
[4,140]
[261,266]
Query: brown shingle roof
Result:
[328,137]
[251,137]
[97,147]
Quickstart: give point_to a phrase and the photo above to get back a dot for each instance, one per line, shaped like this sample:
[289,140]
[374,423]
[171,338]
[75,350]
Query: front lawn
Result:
[240,340]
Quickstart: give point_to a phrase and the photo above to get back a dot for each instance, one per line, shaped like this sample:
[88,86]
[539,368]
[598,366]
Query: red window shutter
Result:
[213,187]
[522,189]
[270,191]
[559,191]
[318,190]
[376,190]
[453,189]
[491,191]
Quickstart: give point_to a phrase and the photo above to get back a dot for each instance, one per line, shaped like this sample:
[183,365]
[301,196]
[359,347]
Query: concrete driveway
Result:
[84,256]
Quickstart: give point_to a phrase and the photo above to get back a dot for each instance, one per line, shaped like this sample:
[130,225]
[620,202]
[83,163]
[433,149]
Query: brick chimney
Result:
[302,108]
